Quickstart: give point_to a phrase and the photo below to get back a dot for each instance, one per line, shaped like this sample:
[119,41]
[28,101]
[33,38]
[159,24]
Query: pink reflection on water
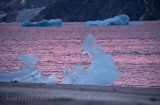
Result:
[135,49]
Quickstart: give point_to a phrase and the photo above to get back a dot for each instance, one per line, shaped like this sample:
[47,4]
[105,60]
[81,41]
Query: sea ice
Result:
[44,23]
[101,71]
[27,72]
[122,19]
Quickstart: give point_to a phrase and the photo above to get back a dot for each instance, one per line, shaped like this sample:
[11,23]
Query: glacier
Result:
[102,70]
[27,14]
[24,15]
[122,19]
[44,23]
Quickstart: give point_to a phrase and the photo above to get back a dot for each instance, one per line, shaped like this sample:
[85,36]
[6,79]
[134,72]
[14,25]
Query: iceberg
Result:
[101,71]
[44,23]
[122,19]
[27,72]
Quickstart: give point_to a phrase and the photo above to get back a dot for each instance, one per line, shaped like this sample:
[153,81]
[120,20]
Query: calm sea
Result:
[135,49]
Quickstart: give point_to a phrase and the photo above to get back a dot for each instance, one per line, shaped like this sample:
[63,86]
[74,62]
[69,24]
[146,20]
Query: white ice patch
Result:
[23,2]
[2,15]
[44,23]
[122,19]
[102,70]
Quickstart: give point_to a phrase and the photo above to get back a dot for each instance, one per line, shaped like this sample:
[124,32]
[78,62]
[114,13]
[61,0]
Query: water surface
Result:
[135,49]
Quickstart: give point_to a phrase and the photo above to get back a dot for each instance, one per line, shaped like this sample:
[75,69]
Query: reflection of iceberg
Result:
[27,73]
[136,23]
[44,23]
[117,20]
[102,70]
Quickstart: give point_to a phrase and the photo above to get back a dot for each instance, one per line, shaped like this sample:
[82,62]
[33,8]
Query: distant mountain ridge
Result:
[77,10]
[15,5]
[84,10]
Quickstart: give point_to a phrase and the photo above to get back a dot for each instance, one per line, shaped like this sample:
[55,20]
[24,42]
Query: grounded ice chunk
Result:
[101,71]
[122,19]
[27,72]
[44,23]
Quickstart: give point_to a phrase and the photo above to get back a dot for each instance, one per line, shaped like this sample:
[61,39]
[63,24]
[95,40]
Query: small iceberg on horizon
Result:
[122,19]
[44,23]
[102,70]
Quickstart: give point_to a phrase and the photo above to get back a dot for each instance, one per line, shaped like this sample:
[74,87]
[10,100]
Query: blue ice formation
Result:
[101,71]
[122,19]
[27,72]
[44,23]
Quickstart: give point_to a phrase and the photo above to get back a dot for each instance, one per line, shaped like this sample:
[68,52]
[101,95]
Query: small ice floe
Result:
[44,23]
[122,19]
[101,71]
[27,72]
